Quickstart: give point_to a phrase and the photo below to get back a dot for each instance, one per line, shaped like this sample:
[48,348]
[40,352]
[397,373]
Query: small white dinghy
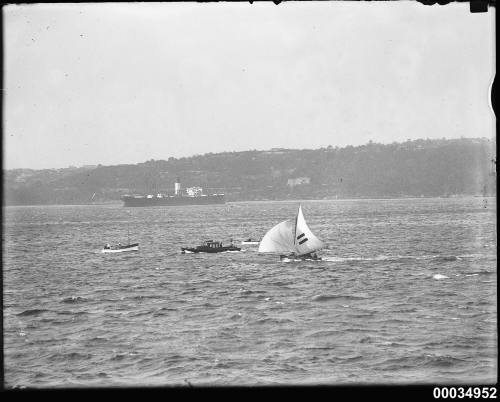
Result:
[293,238]
[119,248]
[250,242]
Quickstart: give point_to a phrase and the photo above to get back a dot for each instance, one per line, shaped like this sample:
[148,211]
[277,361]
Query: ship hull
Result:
[130,201]
[204,249]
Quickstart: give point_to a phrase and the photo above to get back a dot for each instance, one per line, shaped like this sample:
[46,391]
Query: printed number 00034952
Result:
[464,392]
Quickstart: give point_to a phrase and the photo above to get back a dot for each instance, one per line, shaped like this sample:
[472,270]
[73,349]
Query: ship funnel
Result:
[177,186]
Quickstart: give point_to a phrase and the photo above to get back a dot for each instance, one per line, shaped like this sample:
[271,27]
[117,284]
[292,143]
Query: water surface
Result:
[406,293]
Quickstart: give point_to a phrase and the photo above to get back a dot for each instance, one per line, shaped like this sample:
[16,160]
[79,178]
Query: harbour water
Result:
[406,293]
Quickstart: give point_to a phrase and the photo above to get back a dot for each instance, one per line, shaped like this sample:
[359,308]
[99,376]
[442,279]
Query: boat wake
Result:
[443,258]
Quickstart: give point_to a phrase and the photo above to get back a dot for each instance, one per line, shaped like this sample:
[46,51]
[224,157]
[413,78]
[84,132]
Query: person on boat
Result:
[310,256]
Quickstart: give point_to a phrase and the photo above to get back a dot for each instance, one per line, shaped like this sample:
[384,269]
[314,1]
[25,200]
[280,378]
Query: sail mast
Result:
[295,226]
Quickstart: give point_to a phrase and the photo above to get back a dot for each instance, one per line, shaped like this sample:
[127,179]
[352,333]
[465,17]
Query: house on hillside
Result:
[194,191]
[298,181]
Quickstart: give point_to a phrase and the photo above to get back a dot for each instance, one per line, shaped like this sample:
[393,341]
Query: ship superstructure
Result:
[192,196]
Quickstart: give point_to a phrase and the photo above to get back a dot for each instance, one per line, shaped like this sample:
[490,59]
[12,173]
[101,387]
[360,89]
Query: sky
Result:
[119,83]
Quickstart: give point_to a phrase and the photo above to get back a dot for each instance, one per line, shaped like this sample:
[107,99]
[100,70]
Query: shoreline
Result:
[119,203]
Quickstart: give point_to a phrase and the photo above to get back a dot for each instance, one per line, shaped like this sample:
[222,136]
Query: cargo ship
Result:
[190,196]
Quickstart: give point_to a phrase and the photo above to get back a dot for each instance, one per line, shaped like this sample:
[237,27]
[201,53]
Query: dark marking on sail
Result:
[299,236]
[303,241]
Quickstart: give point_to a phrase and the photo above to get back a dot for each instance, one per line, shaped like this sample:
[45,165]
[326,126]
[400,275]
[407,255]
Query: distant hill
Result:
[410,169]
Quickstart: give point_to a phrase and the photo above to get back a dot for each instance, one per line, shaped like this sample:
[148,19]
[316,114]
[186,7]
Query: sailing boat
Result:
[294,238]
[120,248]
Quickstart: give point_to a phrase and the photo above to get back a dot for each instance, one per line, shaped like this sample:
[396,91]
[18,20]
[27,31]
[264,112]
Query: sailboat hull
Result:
[298,258]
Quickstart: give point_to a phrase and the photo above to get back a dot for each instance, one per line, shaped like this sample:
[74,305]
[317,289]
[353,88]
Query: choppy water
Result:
[406,294]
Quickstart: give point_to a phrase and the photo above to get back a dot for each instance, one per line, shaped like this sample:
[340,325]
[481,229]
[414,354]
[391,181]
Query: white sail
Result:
[305,240]
[278,239]
[288,237]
